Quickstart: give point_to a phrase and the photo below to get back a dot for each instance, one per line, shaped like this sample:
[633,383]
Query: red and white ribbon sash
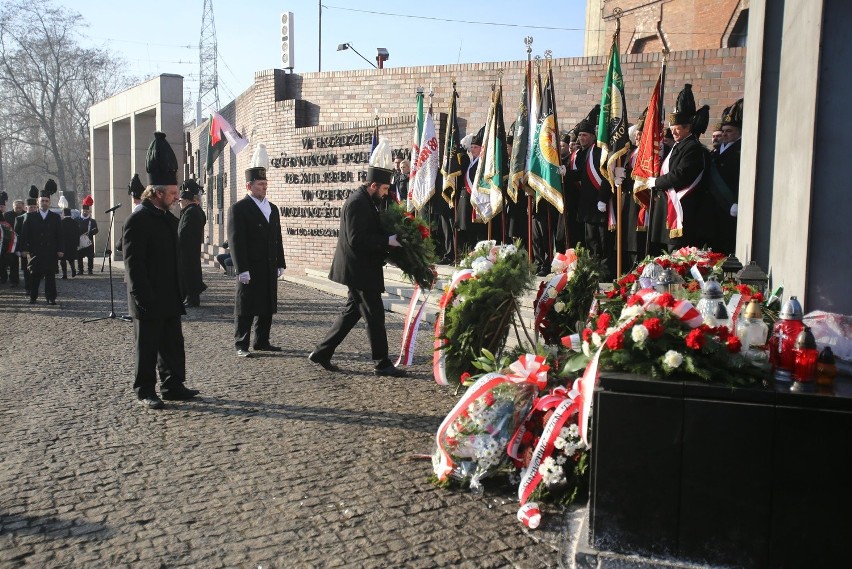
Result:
[542,404]
[546,297]
[674,214]
[412,326]
[529,369]
[439,357]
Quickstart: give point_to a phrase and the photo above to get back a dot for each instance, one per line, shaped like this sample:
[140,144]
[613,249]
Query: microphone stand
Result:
[108,259]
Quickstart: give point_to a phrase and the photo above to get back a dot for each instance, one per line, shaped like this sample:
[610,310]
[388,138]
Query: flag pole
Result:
[661,117]
[619,200]
[454,223]
[482,162]
[528,41]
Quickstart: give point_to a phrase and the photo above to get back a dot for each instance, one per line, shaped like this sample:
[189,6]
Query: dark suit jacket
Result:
[70,238]
[685,165]
[361,245]
[89,226]
[588,195]
[42,239]
[256,247]
[151,264]
[190,236]
[728,164]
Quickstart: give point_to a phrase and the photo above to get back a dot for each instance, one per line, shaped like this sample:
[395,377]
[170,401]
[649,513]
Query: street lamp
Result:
[345,46]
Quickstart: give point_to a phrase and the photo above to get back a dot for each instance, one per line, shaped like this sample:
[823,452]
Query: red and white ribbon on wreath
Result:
[529,369]
[439,358]
[683,309]
[543,404]
[412,326]
[546,298]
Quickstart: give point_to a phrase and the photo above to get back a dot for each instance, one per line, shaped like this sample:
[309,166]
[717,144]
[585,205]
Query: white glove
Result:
[619,175]
[602,207]
[734,210]
[652,182]
[280,271]
[393,241]
[244,278]
[562,169]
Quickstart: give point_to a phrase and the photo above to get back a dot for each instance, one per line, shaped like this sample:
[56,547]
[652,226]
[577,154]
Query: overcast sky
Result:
[162,36]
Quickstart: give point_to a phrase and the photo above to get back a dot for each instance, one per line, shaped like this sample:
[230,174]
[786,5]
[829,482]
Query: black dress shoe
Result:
[32,301]
[267,348]
[390,371]
[180,394]
[190,304]
[324,363]
[241,353]
[151,402]
[53,302]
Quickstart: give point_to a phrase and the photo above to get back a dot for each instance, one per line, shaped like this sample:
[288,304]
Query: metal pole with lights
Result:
[345,46]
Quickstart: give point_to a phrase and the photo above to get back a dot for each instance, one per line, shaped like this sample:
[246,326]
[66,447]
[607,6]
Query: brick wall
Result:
[288,112]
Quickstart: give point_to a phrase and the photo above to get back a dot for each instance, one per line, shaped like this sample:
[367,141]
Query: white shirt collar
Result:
[264,205]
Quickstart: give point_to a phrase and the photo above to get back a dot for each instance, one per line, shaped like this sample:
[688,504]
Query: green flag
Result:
[612,122]
[489,184]
[455,157]
[544,176]
[520,144]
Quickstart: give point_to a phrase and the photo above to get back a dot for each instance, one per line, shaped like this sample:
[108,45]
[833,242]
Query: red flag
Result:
[648,159]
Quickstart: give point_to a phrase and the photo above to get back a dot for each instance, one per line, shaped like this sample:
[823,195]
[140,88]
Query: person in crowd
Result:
[190,237]
[13,263]
[469,232]
[31,207]
[357,263]
[88,229]
[716,137]
[134,190]
[224,259]
[153,283]
[687,207]
[632,240]
[7,230]
[254,235]
[41,242]
[399,188]
[70,242]
[727,161]
[594,194]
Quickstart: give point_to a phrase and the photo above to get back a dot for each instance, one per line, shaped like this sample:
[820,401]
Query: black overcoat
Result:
[256,247]
[588,195]
[686,163]
[190,236]
[464,209]
[89,226]
[151,264]
[70,238]
[42,239]
[361,245]
[728,165]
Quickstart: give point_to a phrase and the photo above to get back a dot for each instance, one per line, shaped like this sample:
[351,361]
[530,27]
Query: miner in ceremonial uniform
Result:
[254,236]
[89,228]
[134,190]
[594,194]
[361,248]
[727,161]
[153,283]
[688,213]
[41,239]
[632,239]
[469,232]
[31,207]
[190,236]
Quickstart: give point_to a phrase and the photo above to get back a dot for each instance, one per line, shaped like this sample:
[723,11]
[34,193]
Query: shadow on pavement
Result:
[54,528]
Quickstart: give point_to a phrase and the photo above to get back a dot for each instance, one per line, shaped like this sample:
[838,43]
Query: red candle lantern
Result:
[805,356]
[783,340]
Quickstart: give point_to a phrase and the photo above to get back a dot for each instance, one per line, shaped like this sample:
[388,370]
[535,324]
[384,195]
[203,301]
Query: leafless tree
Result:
[48,81]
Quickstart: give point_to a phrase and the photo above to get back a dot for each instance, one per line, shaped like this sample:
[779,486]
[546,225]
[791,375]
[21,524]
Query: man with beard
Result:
[41,241]
[190,236]
[89,228]
[361,248]
[254,236]
[153,285]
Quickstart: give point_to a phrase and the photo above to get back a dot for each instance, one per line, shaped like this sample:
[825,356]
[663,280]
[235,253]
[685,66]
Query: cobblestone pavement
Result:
[277,464]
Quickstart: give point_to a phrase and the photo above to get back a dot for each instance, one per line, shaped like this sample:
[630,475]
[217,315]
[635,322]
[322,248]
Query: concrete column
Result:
[99,164]
[119,166]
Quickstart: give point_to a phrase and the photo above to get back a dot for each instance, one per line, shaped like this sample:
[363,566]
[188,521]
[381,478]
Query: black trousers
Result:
[600,242]
[88,253]
[65,263]
[9,267]
[242,330]
[49,284]
[544,223]
[359,303]
[159,348]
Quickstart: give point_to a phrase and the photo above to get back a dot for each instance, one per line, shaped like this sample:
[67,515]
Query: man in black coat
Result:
[358,259]
[190,237]
[153,283]
[70,241]
[41,237]
[254,236]
[689,213]
[31,207]
[593,196]
[727,161]
[89,228]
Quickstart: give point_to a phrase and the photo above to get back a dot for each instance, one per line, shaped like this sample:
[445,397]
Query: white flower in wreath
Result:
[561,459]
[596,340]
[630,312]
[574,431]
[559,306]
[506,251]
[571,275]
[560,443]
[481,265]
[639,334]
[673,359]
[485,245]
[587,350]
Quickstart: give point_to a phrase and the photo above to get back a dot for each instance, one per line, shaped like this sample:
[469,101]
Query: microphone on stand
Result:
[113,208]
